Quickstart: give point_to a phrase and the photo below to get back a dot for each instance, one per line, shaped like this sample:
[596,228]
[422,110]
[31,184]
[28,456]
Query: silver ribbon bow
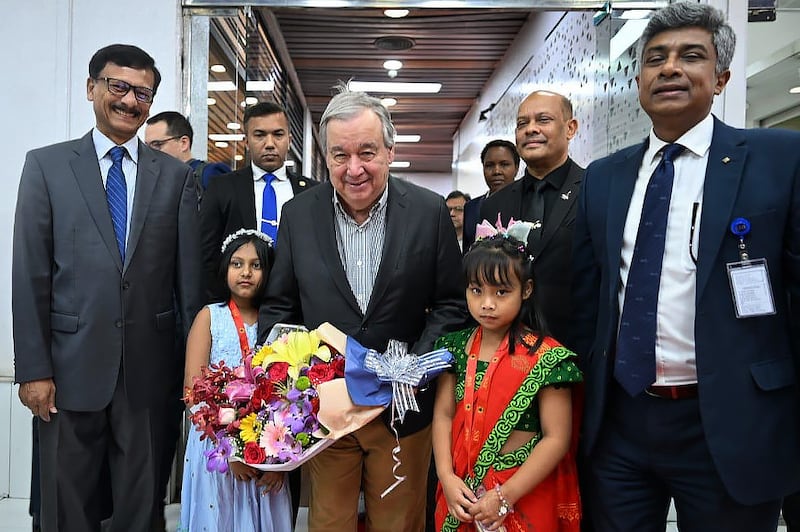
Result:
[405,371]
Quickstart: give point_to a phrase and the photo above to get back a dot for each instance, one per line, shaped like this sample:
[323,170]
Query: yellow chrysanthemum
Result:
[261,354]
[296,349]
[250,428]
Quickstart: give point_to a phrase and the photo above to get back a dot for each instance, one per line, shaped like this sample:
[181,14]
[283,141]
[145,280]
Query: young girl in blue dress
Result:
[243,499]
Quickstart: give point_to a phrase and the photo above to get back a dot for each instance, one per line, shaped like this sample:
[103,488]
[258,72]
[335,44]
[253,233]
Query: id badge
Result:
[750,288]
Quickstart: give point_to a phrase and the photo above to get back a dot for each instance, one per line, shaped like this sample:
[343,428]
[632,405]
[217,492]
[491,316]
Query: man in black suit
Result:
[377,257]
[105,242]
[235,200]
[546,196]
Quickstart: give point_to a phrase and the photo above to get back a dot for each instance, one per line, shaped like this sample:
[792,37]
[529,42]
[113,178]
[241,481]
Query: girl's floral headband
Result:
[245,232]
[517,229]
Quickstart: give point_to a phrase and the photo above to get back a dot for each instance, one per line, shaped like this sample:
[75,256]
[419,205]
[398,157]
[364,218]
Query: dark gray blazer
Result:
[418,293]
[79,314]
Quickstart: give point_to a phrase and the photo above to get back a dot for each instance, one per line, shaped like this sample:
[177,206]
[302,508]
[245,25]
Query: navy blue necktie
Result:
[117,197]
[635,363]
[269,209]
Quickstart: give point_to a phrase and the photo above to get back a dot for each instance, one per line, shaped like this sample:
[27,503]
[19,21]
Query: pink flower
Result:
[227,415]
[273,437]
[239,390]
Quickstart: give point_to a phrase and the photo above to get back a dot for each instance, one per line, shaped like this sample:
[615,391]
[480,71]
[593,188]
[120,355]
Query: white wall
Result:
[46,47]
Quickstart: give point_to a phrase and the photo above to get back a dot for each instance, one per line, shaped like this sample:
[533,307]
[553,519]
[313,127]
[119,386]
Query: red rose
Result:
[338,366]
[278,371]
[315,405]
[320,373]
[253,453]
[263,393]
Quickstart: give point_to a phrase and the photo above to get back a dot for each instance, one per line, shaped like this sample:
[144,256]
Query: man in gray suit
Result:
[104,235]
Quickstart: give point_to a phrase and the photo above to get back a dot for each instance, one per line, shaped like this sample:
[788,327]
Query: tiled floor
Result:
[14,517]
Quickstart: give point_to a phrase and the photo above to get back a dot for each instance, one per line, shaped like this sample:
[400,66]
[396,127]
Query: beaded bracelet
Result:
[505,508]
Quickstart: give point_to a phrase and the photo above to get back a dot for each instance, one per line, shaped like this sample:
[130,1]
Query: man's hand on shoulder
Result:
[40,397]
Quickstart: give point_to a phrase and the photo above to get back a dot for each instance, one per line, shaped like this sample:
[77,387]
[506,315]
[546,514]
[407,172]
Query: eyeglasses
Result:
[157,144]
[117,87]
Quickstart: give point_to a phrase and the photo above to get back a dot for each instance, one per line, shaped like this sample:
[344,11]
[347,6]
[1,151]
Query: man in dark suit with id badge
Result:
[687,295]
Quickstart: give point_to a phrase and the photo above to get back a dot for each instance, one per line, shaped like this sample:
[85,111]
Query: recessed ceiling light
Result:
[394,86]
[234,125]
[407,138]
[251,100]
[260,86]
[388,102]
[211,101]
[238,157]
[221,86]
[243,103]
[635,14]
[392,64]
[400,164]
[395,13]
[795,90]
[218,68]
[235,137]
[221,144]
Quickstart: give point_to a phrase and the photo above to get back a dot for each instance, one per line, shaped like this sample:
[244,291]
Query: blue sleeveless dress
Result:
[211,501]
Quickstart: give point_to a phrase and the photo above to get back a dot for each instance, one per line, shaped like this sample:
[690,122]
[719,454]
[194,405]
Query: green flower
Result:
[303,438]
[302,383]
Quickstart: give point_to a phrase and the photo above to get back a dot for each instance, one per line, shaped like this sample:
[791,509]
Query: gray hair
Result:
[686,14]
[346,105]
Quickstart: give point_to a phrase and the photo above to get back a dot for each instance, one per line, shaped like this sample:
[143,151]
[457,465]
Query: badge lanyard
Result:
[749,278]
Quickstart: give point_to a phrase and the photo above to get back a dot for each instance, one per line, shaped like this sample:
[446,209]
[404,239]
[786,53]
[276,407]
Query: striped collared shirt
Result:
[361,246]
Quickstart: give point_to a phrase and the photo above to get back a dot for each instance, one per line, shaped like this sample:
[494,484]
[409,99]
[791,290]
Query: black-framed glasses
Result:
[157,144]
[117,87]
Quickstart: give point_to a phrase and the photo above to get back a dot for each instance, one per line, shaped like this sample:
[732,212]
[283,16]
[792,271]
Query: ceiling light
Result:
[394,86]
[795,90]
[260,86]
[234,125]
[634,14]
[388,102]
[395,13]
[400,164]
[211,101]
[392,64]
[221,144]
[243,103]
[221,86]
[218,68]
[392,74]
[235,137]
[251,100]
[407,138]
[238,157]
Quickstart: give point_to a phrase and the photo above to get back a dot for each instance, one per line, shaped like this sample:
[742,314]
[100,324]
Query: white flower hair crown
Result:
[245,232]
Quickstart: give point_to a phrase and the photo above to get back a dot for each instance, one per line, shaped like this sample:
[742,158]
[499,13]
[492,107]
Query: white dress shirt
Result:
[130,163]
[675,342]
[281,185]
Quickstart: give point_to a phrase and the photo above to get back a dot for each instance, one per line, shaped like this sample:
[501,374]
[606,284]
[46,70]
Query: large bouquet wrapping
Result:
[287,401]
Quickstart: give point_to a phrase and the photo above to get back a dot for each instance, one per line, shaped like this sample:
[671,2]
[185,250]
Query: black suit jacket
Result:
[80,313]
[229,205]
[418,293]
[553,254]
[472,214]
[746,368]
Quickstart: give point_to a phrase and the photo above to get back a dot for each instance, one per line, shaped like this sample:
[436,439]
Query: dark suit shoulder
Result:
[500,200]
[415,192]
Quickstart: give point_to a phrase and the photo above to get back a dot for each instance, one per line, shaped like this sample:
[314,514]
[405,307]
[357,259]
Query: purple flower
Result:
[218,456]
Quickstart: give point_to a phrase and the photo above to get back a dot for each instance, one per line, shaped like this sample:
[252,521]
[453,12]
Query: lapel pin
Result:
[726,159]
[302,183]
[566,196]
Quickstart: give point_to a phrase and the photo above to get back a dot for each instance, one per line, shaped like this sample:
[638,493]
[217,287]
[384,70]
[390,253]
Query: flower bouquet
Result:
[264,412]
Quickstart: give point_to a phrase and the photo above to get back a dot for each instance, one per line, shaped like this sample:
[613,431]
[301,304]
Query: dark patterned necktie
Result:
[117,197]
[635,363]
